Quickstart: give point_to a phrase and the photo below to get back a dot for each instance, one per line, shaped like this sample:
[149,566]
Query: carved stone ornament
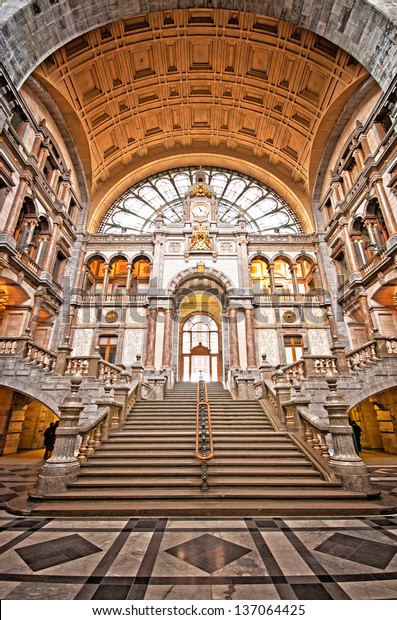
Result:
[201,239]
[111,316]
[174,247]
[226,247]
[289,316]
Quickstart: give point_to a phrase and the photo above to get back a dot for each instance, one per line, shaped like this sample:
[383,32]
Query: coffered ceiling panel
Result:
[187,78]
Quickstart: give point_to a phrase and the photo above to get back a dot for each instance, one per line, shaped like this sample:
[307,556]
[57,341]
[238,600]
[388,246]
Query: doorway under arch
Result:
[200,337]
[200,349]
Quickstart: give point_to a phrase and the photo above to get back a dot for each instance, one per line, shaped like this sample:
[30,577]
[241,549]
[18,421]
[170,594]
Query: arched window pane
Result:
[135,211]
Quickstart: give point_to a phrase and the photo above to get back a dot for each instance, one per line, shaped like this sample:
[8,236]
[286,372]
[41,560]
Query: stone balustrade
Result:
[138,298]
[24,347]
[315,437]
[323,364]
[362,356]
[92,437]
[77,364]
[13,346]
[275,298]
[107,372]
[373,262]
[42,357]
[295,371]
[391,346]
[27,261]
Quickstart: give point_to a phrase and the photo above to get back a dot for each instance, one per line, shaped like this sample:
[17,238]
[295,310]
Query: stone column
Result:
[128,282]
[369,325]
[272,281]
[387,211]
[293,270]
[245,271]
[233,339]
[43,157]
[105,284]
[250,335]
[151,338]
[63,467]
[345,462]
[167,341]
[13,216]
[50,256]
[358,155]
[337,190]
[351,256]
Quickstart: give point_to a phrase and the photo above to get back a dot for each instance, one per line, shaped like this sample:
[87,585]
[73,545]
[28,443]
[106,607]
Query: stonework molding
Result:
[191,272]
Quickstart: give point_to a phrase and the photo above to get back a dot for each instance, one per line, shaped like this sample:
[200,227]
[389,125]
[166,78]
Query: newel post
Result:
[63,467]
[345,462]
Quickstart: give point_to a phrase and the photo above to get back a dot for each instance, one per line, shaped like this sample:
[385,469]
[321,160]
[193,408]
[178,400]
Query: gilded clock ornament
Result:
[111,316]
[201,239]
[289,316]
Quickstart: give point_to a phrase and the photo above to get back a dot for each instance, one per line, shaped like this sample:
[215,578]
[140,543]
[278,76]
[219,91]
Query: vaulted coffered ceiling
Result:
[200,80]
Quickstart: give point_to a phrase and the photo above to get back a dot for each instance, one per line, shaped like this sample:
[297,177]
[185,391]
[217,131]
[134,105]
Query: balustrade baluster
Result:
[323,445]
[90,445]
[308,434]
[97,435]
[82,457]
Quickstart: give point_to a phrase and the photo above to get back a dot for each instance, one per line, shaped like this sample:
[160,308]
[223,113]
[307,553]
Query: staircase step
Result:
[192,469]
[106,460]
[160,493]
[205,507]
[149,482]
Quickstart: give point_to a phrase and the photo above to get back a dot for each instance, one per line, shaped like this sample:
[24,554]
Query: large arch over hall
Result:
[33,30]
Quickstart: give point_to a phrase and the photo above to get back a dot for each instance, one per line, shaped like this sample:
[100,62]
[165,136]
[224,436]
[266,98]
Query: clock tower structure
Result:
[200,201]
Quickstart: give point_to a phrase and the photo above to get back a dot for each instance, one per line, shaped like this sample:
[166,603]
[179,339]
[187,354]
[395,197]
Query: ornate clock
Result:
[200,210]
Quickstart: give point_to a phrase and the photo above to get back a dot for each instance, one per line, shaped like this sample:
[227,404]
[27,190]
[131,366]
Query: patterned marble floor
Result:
[198,559]
[195,559]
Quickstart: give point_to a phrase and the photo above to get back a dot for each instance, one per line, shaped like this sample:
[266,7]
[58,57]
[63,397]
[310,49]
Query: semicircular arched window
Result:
[265,211]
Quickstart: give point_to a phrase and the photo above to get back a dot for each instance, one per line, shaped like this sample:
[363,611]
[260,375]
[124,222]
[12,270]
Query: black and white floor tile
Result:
[195,559]
[198,559]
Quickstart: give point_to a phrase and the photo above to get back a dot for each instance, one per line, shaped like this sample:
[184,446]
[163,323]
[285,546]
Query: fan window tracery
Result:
[136,210]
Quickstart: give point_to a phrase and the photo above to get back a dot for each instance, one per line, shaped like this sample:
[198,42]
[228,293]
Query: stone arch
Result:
[117,256]
[187,274]
[139,256]
[29,389]
[283,257]
[355,398]
[94,256]
[259,256]
[361,29]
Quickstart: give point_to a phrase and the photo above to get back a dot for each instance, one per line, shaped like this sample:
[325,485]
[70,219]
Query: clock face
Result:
[200,210]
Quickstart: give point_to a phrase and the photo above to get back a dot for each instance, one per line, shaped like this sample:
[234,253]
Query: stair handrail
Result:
[204,441]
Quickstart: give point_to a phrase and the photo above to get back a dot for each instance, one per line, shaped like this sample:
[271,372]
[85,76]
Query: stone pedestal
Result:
[63,353]
[345,462]
[63,466]
[137,369]
[121,389]
[341,361]
[283,392]
[245,387]
[156,387]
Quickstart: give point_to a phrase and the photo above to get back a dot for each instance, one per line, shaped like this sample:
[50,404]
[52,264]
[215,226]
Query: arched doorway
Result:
[200,349]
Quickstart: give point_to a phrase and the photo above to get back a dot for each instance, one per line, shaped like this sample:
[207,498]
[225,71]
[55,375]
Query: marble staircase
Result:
[149,467]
